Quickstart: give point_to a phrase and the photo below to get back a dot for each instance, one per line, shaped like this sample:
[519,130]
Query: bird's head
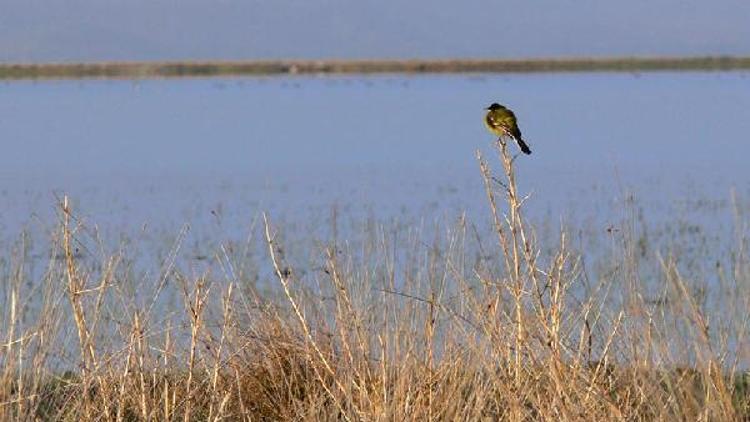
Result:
[494,106]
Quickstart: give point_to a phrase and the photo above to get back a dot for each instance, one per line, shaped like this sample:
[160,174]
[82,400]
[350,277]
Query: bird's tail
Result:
[521,144]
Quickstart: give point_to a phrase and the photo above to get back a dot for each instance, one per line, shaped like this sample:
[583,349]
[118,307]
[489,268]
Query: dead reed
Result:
[397,331]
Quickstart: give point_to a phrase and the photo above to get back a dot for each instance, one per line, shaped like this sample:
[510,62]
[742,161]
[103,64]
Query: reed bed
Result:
[389,330]
[156,69]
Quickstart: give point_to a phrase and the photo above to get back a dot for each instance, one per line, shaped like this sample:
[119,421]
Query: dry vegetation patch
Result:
[521,335]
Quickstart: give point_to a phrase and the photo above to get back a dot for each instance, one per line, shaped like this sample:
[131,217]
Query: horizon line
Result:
[220,68]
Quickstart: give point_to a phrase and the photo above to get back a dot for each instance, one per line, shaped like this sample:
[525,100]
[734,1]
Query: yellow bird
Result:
[502,122]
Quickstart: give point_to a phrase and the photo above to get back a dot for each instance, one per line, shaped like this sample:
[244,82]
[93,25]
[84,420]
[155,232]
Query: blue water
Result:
[660,158]
[152,156]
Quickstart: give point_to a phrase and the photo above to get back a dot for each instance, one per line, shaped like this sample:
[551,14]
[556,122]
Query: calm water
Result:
[151,156]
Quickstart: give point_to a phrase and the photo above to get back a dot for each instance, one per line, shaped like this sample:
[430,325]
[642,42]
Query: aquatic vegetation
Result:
[507,324]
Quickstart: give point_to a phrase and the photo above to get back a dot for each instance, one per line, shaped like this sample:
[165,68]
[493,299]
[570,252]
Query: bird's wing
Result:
[506,119]
[513,126]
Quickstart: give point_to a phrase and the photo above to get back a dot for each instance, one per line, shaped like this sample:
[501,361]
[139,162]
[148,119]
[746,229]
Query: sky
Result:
[102,30]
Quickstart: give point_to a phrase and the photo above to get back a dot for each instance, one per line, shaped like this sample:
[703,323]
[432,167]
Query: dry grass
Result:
[432,333]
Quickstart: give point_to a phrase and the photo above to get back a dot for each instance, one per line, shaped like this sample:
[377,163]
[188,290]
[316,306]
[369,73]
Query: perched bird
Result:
[502,122]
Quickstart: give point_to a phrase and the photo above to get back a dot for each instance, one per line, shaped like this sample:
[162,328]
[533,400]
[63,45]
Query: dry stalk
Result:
[282,277]
[195,308]
[76,289]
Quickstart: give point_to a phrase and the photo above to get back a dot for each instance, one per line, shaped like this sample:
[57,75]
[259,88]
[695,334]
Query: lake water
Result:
[151,156]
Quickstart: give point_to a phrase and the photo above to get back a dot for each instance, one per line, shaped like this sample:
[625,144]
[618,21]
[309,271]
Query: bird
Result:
[502,122]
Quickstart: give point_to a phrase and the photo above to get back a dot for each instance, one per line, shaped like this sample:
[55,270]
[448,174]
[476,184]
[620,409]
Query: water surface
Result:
[155,155]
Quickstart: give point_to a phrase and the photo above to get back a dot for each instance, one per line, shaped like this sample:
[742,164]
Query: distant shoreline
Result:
[180,69]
